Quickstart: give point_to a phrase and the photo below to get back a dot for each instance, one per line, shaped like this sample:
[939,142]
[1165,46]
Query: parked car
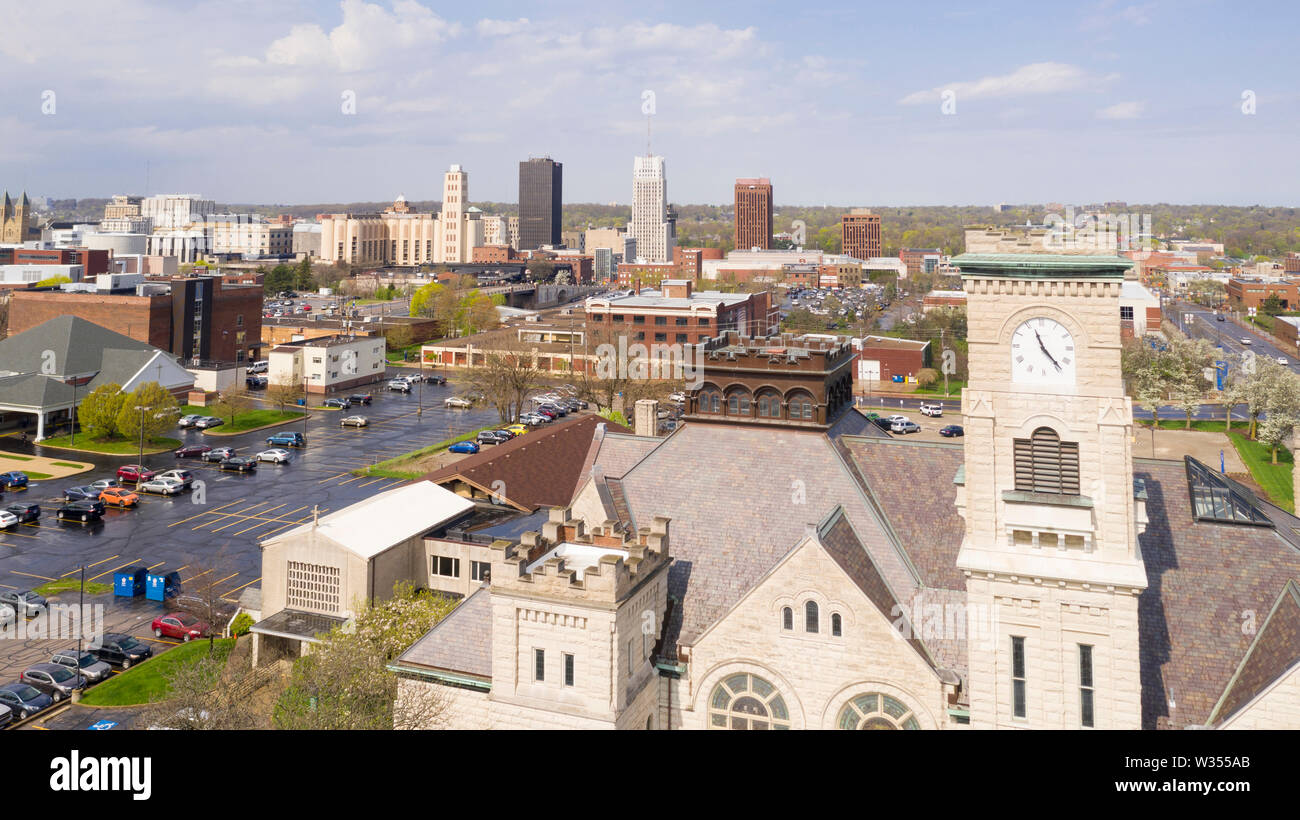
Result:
[82,511]
[24,601]
[185,477]
[120,497]
[457,402]
[122,650]
[104,483]
[904,427]
[361,398]
[208,422]
[23,699]
[180,626]
[218,454]
[434,378]
[238,464]
[81,493]
[337,404]
[952,431]
[256,382]
[90,667]
[13,480]
[355,421]
[25,512]
[517,429]
[274,456]
[932,409]
[163,486]
[533,419]
[192,451]
[1245,341]
[679,397]
[7,520]
[412,377]
[134,473]
[464,447]
[1283,361]
[507,432]
[287,440]
[1218,317]
[399,386]
[6,716]
[188,420]
[53,679]
[491,437]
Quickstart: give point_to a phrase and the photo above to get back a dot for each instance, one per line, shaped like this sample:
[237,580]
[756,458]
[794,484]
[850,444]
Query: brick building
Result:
[93,262]
[196,317]
[487,254]
[920,260]
[883,357]
[860,234]
[1251,293]
[753,213]
[690,261]
[680,315]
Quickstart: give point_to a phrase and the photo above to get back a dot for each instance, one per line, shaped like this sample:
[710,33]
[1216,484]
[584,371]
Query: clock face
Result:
[1042,352]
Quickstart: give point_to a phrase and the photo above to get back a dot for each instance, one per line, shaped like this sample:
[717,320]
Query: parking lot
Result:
[210,535]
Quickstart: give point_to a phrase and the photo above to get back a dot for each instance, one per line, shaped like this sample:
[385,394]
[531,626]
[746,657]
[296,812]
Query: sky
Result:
[844,103]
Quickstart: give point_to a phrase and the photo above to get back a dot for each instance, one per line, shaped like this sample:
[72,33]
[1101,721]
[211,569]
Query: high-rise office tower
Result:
[650,226]
[455,196]
[753,214]
[540,202]
[860,234]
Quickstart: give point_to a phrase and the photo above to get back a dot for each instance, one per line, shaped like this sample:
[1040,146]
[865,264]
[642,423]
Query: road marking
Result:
[155,566]
[115,569]
[331,478]
[32,575]
[238,588]
[200,575]
[205,512]
[376,481]
[89,566]
[20,534]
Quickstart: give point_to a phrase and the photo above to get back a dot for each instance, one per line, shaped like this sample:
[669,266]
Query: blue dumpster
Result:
[898,379]
[128,582]
[160,586]
[302,402]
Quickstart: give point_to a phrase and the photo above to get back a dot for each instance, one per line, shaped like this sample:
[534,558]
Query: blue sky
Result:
[839,103]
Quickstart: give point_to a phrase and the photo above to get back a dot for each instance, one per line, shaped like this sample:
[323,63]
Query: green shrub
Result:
[242,624]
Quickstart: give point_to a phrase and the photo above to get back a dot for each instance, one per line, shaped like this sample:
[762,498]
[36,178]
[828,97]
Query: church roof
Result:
[460,643]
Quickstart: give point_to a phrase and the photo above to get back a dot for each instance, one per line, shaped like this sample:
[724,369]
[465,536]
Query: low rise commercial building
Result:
[329,363]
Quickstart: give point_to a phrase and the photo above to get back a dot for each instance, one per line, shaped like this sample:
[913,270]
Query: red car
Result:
[192,451]
[179,626]
[134,473]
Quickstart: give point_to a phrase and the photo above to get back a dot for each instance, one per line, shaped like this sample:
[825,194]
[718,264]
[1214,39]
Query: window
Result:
[680,321]
[747,701]
[539,665]
[704,321]
[681,338]
[1086,716]
[446,567]
[1018,677]
[876,711]
[1045,464]
[661,320]
[1126,312]
[629,659]
[640,337]
[568,669]
[313,587]
[710,401]
[661,337]
[837,627]
[618,317]
[479,570]
[810,616]
[769,405]
[787,618]
[638,320]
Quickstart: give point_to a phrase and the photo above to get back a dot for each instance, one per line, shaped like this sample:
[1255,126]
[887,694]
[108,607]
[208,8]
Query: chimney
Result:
[646,417]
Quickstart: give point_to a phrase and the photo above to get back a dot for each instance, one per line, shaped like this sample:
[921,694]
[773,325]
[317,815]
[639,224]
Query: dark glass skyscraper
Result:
[540,202]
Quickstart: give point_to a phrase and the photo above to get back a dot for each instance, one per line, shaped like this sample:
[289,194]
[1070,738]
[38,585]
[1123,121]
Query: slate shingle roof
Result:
[461,642]
[739,500]
[1275,651]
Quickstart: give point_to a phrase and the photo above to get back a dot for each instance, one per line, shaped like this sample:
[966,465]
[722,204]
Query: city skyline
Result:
[1108,101]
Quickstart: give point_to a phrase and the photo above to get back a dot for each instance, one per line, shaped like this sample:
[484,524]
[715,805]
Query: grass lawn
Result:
[1274,478]
[247,420]
[392,468]
[412,351]
[147,683]
[954,389]
[66,584]
[115,447]
[1200,425]
[16,457]
[71,464]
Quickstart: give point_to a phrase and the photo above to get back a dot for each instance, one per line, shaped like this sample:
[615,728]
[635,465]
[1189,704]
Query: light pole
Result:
[139,473]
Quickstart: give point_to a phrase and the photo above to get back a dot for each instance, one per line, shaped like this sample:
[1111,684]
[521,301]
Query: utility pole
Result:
[139,475]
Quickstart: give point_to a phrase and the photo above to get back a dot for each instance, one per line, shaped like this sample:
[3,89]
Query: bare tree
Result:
[206,693]
[232,403]
[203,596]
[284,393]
[506,378]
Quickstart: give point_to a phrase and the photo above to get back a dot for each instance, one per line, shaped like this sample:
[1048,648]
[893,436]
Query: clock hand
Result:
[1045,353]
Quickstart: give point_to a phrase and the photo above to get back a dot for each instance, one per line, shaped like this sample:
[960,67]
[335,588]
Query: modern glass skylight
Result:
[1218,498]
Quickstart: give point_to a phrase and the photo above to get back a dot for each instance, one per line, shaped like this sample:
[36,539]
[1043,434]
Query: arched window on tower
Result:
[810,617]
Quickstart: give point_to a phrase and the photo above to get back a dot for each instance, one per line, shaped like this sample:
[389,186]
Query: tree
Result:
[1263,382]
[1188,360]
[1271,306]
[231,402]
[278,279]
[400,337]
[99,410]
[480,313]
[303,280]
[344,682]
[202,696]
[284,393]
[617,376]
[53,281]
[541,270]
[158,418]
[506,378]
[204,599]
[926,376]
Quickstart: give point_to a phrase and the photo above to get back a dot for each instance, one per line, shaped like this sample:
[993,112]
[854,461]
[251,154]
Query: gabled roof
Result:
[381,522]
[538,469]
[461,643]
[35,391]
[1276,651]
[78,347]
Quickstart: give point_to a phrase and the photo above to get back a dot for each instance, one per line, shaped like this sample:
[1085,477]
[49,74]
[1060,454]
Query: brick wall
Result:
[143,318]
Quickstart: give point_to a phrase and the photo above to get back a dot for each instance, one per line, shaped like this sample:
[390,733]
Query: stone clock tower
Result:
[1053,570]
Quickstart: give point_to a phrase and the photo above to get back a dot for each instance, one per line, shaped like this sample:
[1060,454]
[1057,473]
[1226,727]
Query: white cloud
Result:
[1123,111]
[501,28]
[368,33]
[1035,78]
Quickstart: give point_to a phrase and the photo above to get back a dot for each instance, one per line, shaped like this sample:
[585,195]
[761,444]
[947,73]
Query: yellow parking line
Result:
[331,478]
[89,566]
[238,588]
[178,569]
[115,569]
[205,512]
[20,534]
[155,566]
[255,526]
[200,575]
[349,481]
[376,481]
[31,575]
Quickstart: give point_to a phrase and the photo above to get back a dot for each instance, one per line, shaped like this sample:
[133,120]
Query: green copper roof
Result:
[1050,265]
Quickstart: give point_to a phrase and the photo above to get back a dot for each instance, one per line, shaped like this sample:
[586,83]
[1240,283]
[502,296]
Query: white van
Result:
[259,367]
